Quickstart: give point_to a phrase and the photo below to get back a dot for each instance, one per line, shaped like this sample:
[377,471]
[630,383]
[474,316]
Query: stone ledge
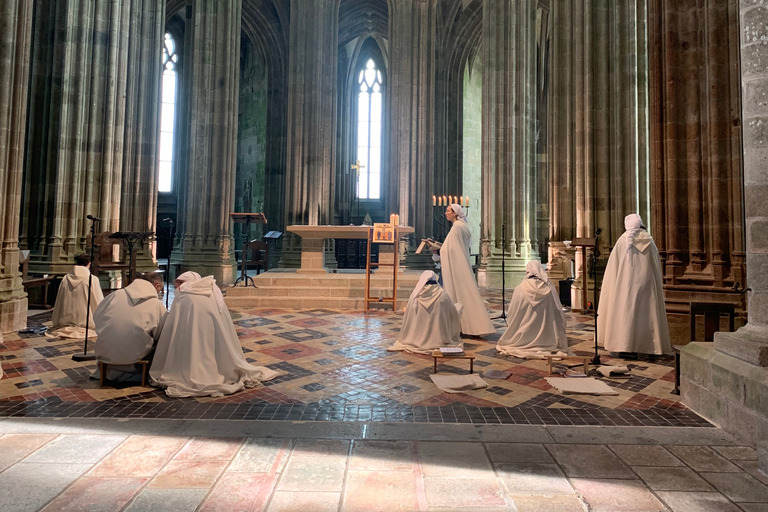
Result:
[747,344]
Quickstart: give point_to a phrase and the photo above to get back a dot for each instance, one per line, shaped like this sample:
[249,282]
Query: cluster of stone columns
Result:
[206,186]
[508,137]
[15,35]
[696,157]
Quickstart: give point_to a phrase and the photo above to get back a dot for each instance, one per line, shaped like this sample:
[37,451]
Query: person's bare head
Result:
[153,278]
[83,260]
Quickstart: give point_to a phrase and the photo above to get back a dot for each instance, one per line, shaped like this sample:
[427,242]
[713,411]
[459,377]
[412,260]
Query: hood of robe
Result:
[207,287]
[77,276]
[535,269]
[636,233]
[424,294]
[139,291]
[534,291]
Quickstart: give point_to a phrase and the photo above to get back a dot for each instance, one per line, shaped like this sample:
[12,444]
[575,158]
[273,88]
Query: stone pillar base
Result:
[514,270]
[749,344]
[206,264]
[13,314]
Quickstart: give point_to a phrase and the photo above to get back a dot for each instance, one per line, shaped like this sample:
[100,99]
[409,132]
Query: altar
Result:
[313,241]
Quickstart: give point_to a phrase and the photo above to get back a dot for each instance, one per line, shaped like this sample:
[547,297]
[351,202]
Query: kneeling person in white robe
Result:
[535,319]
[128,323]
[431,319]
[71,307]
[631,316]
[198,353]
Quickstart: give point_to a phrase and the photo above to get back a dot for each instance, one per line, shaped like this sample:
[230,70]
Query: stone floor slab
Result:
[502,453]
[703,458]
[138,456]
[584,460]
[259,455]
[235,492]
[208,448]
[14,447]
[188,474]
[455,460]
[548,504]
[737,452]
[672,479]
[617,495]
[697,502]
[381,456]
[167,500]
[26,487]
[76,449]
[463,493]
[738,487]
[645,455]
[754,507]
[312,474]
[380,491]
[533,478]
[90,494]
[305,501]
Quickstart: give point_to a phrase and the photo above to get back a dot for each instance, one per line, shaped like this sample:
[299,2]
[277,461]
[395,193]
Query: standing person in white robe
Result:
[71,306]
[631,315]
[128,323]
[535,319]
[431,319]
[198,353]
[458,278]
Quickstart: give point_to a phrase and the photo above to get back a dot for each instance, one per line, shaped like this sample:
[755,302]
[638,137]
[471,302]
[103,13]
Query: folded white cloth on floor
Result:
[608,371]
[584,386]
[458,383]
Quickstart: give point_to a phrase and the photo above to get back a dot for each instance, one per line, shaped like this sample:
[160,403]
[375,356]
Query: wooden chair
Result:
[33,282]
[256,255]
[108,258]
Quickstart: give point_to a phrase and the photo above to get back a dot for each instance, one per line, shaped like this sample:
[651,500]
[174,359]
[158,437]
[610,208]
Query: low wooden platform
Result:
[436,354]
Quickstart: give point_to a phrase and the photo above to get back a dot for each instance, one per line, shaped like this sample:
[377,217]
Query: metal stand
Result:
[503,274]
[246,217]
[595,254]
[168,265]
[85,356]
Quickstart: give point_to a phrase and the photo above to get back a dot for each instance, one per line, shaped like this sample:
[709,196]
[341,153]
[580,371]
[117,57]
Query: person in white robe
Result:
[431,319]
[128,323]
[198,353]
[631,314]
[70,309]
[535,319]
[458,278]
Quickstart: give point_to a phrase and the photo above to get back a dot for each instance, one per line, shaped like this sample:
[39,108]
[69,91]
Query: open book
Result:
[430,244]
[452,351]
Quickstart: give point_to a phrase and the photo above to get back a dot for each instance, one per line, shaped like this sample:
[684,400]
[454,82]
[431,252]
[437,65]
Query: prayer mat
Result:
[584,386]
[458,383]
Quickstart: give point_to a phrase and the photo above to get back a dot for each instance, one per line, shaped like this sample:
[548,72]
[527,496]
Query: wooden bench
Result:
[104,366]
[584,359]
[436,354]
[34,282]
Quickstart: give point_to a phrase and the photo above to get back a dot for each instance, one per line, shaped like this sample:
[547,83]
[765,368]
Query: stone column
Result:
[207,184]
[508,138]
[138,203]
[598,141]
[75,133]
[15,37]
[728,384]
[311,140]
[695,126]
[411,99]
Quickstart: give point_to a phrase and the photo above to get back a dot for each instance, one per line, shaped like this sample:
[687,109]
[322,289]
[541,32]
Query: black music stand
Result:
[247,218]
[131,237]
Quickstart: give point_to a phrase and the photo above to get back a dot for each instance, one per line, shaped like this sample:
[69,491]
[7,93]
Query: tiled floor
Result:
[334,366]
[104,465]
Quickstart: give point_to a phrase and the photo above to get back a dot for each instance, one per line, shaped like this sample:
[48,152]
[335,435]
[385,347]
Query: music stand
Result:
[247,218]
[131,237]
[584,243]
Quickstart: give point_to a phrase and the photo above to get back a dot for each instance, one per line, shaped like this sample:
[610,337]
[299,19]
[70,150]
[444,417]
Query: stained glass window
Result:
[369,119]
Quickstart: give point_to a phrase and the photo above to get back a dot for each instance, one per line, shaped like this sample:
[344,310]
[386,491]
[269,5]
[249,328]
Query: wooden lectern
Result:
[131,237]
[247,218]
[584,243]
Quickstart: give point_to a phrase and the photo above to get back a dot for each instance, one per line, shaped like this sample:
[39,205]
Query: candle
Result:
[467,201]
[440,201]
[461,200]
[434,201]
[445,200]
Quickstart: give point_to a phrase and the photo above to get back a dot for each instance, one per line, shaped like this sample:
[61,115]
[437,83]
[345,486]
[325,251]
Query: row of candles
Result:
[449,200]
[394,219]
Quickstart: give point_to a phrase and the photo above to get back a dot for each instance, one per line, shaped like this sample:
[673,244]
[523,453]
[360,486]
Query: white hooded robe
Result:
[535,319]
[72,300]
[631,313]
[127,323]
[431,320]
[198,353]
[459,281]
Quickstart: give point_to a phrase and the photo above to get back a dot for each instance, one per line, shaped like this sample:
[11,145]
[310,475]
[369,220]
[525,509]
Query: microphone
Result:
[598,231]
[91,217]
[168,219]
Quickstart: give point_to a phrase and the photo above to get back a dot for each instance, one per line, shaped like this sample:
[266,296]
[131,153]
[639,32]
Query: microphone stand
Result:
[595,253]
[503,274]
[85,356]
[168,265]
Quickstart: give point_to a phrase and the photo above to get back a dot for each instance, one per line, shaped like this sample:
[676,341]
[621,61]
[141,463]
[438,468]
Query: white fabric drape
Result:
[128,322]
[198,353]
[459,281]
[72,299]
[631,314]
[535,319]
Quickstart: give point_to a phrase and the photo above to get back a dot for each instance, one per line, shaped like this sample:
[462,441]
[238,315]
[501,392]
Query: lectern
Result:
[584,243]
[247,218]
[131,237]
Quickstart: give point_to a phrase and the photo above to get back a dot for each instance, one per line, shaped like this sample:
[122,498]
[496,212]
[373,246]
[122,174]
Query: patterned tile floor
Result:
[334,367]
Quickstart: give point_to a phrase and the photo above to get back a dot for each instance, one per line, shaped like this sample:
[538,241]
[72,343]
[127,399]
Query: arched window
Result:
[167,114]
[369,116]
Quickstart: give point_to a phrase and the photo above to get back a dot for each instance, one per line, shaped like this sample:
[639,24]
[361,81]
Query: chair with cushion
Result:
[256,255]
